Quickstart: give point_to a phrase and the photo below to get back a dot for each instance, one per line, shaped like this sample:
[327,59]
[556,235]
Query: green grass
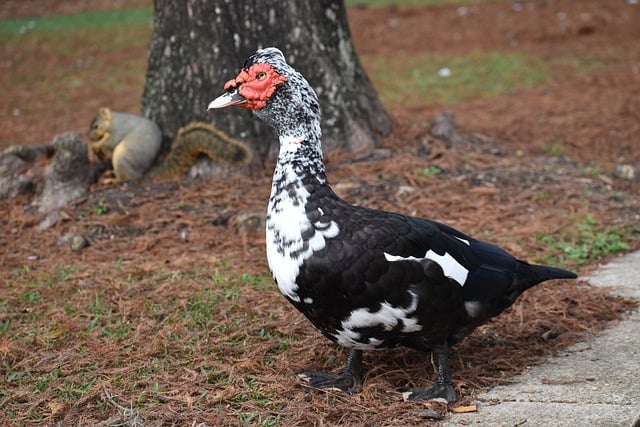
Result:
[166,321]
[585,242]
[428,171]
[423,78]
[555,148]
[93,21]
[585,64]
[97,52]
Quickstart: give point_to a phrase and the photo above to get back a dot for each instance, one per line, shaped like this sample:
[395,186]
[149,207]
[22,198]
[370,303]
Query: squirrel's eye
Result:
[261,75]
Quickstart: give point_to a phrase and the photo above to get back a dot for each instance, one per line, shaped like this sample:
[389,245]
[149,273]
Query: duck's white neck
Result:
[290,233]
[299,164]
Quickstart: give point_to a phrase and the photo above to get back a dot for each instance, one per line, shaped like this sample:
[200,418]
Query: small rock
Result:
[50,220]
[404,190]
[250,221]
[627,172]
[372,156]
[74,240]
[430,414]
[434,409]
[78,242]
[443,127]
[65,239]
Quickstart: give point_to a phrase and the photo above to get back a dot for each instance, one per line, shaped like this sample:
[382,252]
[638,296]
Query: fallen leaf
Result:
[464,409]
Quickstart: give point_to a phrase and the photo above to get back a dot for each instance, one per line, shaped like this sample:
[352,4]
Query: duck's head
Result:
[257,82]
[276,93]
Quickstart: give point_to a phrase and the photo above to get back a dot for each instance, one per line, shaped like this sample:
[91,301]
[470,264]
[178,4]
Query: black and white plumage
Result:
[367,279]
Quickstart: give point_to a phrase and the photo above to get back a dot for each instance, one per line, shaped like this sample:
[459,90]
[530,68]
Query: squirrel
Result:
[133,143]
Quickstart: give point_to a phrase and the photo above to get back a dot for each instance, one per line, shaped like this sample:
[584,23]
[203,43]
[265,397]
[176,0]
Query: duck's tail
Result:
[530,275]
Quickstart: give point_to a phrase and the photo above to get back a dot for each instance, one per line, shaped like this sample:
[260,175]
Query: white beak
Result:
[227,99]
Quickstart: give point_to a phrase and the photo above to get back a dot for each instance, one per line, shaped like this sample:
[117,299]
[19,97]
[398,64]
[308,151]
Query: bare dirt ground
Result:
[156,246]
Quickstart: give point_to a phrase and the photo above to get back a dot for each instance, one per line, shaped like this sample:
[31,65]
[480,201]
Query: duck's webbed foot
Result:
[349,381]
[443,388]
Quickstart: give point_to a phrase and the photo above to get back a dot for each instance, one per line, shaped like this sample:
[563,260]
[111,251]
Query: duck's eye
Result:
[261,75]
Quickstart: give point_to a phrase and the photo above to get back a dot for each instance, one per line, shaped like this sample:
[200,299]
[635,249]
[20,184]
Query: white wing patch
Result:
[450,266]
[387,316]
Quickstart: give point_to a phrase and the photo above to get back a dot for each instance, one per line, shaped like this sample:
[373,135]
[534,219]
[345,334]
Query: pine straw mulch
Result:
[162,319]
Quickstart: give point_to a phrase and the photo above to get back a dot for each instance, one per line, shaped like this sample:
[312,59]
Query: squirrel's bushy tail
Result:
[199,138]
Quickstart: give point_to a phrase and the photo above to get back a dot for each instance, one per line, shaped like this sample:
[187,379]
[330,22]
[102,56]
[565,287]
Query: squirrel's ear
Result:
[105,112]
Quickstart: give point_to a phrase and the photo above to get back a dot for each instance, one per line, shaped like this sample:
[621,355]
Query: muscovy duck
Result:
[367,279]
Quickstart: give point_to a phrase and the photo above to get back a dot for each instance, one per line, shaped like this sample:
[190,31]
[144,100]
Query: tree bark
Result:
[198,45]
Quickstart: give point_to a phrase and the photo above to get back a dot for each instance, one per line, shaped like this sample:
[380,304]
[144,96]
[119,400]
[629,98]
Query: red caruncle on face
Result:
[256,84]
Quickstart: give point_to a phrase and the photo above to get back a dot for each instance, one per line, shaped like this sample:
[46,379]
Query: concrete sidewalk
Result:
[596,383]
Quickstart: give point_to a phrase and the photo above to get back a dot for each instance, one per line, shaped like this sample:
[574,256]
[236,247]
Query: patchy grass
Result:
[428,171]
[158,323]
[555,148]
[88,21]
[76,52]
[586,242]
[586,65]
[448,79]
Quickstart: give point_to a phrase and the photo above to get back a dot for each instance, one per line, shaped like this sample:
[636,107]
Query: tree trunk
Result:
[198,45]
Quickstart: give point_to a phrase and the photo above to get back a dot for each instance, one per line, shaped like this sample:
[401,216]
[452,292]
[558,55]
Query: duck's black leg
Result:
[350,380]
[443,388]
